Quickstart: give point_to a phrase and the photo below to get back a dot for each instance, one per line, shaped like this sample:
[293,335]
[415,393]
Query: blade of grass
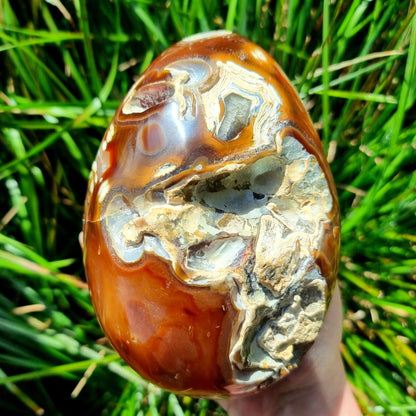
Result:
[407,96]
[325,75]
[24,398]
[155,32]
[60,370]
[231,14]
[82,14]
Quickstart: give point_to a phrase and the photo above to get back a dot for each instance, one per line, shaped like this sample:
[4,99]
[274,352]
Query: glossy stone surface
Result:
[211,227]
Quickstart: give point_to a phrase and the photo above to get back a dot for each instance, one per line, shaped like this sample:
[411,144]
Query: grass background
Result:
[64,67]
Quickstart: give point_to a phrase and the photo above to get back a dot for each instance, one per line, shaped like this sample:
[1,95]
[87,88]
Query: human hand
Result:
[318,387]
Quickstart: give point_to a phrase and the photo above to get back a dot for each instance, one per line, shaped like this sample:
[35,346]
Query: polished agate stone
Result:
[211,228]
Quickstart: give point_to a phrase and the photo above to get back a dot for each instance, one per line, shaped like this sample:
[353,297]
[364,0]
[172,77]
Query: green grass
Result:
[65,66]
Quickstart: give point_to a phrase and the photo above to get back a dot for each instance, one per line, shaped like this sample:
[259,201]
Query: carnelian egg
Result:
[211,227]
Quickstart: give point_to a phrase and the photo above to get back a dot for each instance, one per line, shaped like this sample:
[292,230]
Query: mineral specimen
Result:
[211,228]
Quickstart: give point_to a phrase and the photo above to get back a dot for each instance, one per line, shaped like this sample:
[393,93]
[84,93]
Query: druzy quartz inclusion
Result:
[211,226]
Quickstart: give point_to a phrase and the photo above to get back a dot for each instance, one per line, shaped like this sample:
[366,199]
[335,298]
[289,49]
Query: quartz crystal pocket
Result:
[211,225]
